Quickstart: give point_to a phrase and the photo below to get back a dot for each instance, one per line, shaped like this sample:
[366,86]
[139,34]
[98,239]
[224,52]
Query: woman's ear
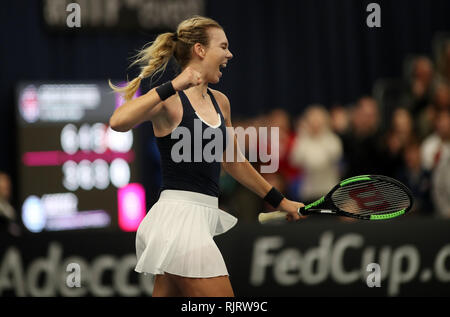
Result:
[199,49]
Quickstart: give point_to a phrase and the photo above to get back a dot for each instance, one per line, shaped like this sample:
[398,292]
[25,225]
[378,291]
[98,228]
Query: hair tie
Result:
[141,76]
[175,37]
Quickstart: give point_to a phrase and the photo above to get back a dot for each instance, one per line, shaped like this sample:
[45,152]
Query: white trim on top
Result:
[212,126]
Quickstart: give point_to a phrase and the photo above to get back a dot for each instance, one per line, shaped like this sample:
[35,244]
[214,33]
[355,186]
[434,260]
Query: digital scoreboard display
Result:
[75,172]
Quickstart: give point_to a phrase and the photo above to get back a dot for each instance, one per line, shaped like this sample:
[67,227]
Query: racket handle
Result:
[267,217]
[302,212]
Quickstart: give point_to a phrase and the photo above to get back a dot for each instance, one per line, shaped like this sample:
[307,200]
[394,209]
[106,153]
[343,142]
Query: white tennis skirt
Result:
[176,236]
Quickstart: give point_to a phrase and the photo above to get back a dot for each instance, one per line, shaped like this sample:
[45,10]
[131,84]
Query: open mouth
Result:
[222,66]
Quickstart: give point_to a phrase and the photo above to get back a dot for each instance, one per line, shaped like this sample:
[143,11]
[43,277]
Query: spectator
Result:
[7,212]
[441,101]
[317,150]
[436,159]
[280,119]
[398,135]
[361,142]
[441,95]
[441,187]
[443,61]
[416,178]
[402,125]
[421,83]
[437,145]
[340,120]
[420,86]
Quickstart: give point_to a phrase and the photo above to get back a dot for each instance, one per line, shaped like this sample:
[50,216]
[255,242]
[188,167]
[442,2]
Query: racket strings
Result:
[394,205]
[371,198]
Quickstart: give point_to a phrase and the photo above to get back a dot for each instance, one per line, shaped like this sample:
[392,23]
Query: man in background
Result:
[7,212]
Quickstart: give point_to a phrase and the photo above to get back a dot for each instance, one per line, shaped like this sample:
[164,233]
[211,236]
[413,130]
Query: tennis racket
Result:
[367,197]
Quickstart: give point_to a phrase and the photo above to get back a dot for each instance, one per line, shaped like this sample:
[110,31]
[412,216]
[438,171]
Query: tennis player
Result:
[174,241]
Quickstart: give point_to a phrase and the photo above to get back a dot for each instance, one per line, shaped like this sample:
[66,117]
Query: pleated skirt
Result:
[176,236]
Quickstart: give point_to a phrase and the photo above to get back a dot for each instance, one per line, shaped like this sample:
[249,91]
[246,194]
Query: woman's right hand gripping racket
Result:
[367,197]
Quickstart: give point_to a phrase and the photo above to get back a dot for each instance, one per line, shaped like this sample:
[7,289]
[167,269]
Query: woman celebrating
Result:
[174,241]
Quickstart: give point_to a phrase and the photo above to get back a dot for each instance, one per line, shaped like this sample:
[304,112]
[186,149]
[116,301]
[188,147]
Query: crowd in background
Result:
[405,135]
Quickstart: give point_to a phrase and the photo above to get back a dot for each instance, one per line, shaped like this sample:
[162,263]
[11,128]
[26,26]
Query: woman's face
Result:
[217,55]
[402,122]
[316,121]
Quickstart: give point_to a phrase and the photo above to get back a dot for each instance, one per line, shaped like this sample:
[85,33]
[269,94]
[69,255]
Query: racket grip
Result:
[267,217]
[302,212]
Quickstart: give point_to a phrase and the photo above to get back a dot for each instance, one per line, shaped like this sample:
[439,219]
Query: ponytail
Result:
[153,59]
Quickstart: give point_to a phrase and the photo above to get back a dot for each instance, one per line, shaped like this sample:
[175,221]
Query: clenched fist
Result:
[188,78]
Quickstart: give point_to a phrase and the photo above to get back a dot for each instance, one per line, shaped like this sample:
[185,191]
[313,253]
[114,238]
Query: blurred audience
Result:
[361,141]
[421,82]
[440,101]
[441,95]
[340,119]
[441,188]
[317,151]
[325,146]
[280,119]
[416,178]
[7,212]
[443,61]
[393,144]
[436,159]
[436,146]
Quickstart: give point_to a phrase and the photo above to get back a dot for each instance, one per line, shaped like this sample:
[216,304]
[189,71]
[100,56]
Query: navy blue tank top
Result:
[191,155]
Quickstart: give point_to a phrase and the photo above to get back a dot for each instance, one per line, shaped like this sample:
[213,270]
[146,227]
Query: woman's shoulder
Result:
[220,96]
[222,100]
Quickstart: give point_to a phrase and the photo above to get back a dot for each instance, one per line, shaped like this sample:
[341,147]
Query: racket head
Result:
[369,197]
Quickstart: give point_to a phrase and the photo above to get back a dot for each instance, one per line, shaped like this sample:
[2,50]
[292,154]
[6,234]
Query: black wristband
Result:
[165,90]
[274,197]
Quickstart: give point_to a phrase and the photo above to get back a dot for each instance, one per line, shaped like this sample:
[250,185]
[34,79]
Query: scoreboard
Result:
[75,172]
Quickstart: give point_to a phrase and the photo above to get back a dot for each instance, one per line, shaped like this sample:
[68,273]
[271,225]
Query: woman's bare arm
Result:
[241,170]
[136,111]
[148,106]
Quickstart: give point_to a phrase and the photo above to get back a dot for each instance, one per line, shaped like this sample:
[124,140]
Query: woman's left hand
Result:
[291,207]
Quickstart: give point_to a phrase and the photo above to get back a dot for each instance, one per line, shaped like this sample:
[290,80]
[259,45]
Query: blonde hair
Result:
[155,57]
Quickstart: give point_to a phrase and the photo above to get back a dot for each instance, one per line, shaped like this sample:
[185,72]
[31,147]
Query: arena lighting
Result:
[33,214]
[79,220]
[132,208]
[56,212]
